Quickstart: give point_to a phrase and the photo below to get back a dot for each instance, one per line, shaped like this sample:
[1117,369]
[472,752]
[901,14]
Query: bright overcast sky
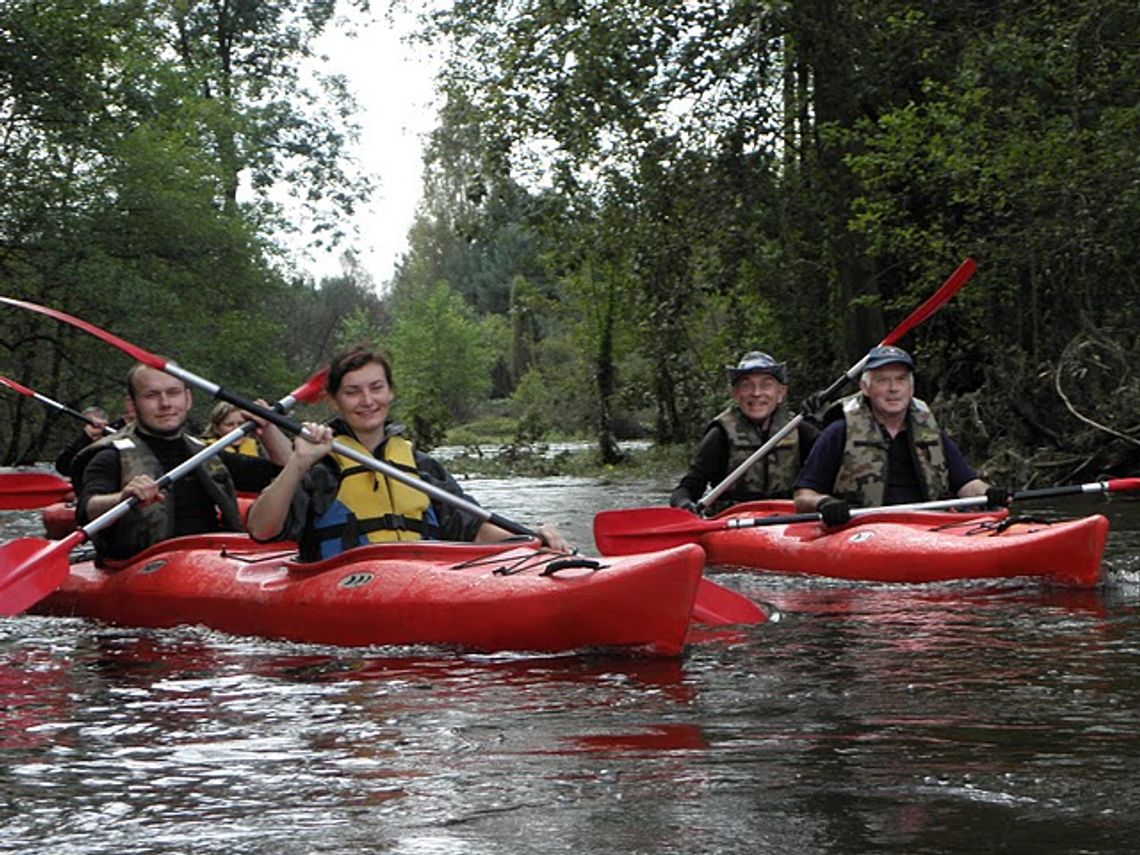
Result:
[392,83]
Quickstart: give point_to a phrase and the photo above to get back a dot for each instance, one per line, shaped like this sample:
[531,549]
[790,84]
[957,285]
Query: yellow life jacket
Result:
[369,506]
[248,445]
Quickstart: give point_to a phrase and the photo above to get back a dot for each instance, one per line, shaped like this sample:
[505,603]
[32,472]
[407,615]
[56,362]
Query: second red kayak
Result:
[900,546]
[24,489]
[486,597]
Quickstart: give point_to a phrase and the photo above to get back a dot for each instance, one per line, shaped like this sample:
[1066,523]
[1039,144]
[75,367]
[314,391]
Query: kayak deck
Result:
[915,546]
[487,597]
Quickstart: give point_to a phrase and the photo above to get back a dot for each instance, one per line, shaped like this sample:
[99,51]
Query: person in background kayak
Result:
[101,427]
[130,462]
[758,385]
[882,446]
[224,418]
[94,430]
[328,503]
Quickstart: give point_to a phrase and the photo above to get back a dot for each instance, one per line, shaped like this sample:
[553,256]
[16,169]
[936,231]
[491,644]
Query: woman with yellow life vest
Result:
[225,417]
[328,503]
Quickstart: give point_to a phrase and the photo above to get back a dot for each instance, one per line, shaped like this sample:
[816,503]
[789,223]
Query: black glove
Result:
[688,505]
[680,498]
[834,511]
[997,497]
[814,406]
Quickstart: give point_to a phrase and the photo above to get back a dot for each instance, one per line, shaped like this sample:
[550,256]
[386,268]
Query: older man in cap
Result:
[758,385]
[885,449]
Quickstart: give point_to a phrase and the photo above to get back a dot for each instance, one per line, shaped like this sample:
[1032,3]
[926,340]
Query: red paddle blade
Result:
[717,605]
[23,490]
[1121,485]
[948,289]
[13,385]
[31,568]
[631,530]
[312,389]
[143,356]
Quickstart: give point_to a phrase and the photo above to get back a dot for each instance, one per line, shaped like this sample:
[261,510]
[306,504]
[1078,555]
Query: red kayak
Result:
[59,518]
[914,546]
[486,597]
[24,489]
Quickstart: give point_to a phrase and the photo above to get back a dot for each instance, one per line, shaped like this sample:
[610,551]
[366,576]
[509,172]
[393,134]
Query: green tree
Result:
[121,161]
[804,174]
[442,357]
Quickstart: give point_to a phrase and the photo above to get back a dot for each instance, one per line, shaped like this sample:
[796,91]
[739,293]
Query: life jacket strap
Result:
[352,530]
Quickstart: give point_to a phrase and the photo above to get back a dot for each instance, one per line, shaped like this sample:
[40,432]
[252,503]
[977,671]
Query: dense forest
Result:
[619,199]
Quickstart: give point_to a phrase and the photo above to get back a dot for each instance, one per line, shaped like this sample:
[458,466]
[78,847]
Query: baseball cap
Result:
[887,355]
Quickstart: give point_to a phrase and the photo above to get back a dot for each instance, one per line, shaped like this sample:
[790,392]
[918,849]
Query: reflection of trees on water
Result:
[870,718]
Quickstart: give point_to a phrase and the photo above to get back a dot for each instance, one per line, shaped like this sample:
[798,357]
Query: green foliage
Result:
[442,358]
[357,327]
[795,177]
[533,406]
[119,204]
[620,197]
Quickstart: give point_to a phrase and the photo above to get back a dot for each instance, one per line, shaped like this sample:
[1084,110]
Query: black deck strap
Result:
[992,526]
[571,563]
[527,562]
[1029,519]
[485,560]
[973,527]
[507,567]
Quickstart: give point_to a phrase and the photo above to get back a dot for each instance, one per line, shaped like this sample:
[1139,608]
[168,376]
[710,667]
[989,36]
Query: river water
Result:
[868,718]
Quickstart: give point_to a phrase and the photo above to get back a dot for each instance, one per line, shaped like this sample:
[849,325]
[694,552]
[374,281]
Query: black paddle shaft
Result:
[289,425]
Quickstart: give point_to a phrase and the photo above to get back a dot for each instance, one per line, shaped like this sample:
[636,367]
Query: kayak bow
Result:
[486,597]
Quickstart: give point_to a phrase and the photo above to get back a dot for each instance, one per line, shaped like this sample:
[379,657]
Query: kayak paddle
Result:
[948,289]
[31,567]
[717,605]
[283,422]
[21,491]
[63,408]
[214,390]
[629,530]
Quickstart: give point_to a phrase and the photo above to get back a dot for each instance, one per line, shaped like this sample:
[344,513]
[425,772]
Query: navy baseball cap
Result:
[757,362]
[888,355]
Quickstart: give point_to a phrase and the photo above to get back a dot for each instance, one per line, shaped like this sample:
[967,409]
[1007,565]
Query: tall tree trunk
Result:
[606,376]
[825,41]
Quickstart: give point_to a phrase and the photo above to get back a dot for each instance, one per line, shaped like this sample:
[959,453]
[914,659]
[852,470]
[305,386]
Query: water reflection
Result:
[869,718]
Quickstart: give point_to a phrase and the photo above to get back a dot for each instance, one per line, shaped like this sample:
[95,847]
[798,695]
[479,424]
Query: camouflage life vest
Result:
[142,526]
[863,476]
[770,477]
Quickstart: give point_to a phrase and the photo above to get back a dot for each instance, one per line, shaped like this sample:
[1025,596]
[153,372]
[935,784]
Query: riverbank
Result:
[574,457]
